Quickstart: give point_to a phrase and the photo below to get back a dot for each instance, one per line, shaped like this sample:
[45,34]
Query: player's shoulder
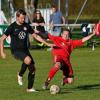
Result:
[14,23]
[11,26]
[26,25]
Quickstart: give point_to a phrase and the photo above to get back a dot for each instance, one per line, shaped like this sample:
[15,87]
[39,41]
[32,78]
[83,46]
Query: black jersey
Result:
[39,28]
[19,36]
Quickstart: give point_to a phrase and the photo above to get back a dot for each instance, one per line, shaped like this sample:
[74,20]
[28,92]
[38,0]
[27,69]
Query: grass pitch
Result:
[86,66]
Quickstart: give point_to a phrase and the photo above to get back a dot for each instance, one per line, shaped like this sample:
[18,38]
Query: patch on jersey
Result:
[22,35]
[25,28]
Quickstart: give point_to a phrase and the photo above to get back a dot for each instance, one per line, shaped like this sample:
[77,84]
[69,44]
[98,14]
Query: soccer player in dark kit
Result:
[61,55]
[19,31]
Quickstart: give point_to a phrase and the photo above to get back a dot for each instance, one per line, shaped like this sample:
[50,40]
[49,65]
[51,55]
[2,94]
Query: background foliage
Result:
[91,10]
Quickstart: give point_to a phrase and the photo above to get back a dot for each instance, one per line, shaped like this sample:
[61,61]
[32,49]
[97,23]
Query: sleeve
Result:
[9,30]
[30,30]
[77,43]
[51,37]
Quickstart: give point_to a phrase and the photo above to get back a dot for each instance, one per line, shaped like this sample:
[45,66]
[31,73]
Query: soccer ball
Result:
[54,89]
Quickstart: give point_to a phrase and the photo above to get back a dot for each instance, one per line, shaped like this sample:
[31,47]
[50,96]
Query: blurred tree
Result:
[92,7]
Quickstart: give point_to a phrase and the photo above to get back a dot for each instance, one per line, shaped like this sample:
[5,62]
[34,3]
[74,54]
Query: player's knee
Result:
[27,60]
[32,68]
[70,80]
[57,64]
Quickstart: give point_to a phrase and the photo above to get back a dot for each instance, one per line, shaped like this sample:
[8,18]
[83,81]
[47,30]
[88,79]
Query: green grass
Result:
[86,66]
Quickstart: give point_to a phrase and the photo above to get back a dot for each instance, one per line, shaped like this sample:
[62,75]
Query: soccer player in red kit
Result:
[61,55]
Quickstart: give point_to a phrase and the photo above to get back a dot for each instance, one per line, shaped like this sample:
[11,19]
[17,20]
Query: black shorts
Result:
[22,55]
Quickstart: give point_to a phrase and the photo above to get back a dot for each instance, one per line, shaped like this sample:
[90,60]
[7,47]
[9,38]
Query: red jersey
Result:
[63,47]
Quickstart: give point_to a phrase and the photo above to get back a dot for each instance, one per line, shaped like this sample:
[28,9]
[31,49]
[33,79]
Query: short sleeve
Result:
[8,31]
[30,29]
[51,37]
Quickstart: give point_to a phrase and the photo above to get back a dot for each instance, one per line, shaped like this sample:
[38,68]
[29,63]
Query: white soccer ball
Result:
[54,89]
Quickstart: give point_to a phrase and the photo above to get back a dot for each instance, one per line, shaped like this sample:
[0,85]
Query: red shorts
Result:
[65,65]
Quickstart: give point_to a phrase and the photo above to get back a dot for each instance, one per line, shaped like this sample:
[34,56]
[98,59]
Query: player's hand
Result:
[3,55]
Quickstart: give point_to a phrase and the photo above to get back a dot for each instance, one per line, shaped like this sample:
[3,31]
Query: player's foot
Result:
[45,86]
[20,79]
[65,81]
[31,90]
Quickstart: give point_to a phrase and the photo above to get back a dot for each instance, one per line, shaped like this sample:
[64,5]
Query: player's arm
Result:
[37,37]
[2,54]
[88,37]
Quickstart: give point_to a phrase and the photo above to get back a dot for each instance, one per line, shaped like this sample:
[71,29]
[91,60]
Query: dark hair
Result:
[37,11]
[54,6]
[65,29]
[68,30]
[35,14]
[20,11]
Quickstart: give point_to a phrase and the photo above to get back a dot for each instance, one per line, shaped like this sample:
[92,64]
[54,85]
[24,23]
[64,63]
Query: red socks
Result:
[52,72]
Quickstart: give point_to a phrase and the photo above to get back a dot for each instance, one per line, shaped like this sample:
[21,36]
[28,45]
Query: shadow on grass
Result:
[88,87]
[80,88]
[66,90]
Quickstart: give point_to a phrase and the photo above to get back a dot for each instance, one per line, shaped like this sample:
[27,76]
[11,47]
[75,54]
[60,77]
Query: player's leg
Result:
[51,74]
[21,73]
[23,69]
[52,71]
[31,75]
[27,62]
[67,73]
[25,59]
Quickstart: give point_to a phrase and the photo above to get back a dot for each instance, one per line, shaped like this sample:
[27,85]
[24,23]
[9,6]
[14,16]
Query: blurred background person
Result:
[38,23]
[56,18]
